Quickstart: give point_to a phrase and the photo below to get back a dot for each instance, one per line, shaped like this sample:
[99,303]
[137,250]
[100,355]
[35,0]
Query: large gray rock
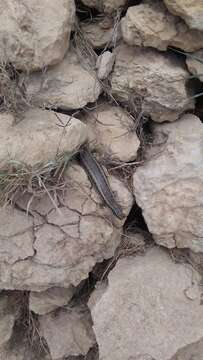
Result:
[61,239]
[39,138]
[68,85]
[150,309]
[150,24]
[34,34]
[159,80]
[191,11]
[67,332]
[169,186]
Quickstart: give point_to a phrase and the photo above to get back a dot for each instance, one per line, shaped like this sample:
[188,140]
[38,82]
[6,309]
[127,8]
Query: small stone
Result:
[46,301]
[67,332]
[105,64]
[110,129]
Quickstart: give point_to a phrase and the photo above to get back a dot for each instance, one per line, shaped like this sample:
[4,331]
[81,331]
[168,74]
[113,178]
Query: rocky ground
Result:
[123,78]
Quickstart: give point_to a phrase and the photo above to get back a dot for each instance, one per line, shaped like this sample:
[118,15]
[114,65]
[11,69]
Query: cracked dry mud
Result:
[59,245]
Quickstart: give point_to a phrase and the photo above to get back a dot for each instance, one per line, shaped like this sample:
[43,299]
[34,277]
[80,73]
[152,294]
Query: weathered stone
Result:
[105,64]
[68,85]
[107,6]
[39,137]
[195,66]
[46,301]
[27,39]
[143,295]
[190,352]
[158,79]
[167,29]
[111,128]
[16,236]
[65,246]
[191,11]
[67,332]
[168,187]
[8,311]
[102,32]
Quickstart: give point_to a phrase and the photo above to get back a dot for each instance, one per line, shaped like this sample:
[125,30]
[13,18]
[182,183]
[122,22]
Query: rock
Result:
[168,187]
[67,85]
[106,6]
[8,313]
[105,64]
[158,79]
[27,39]
[72,237]
[111,128]
[102,32]
[190,352]
[67,332]
[196,66]
[16,236]
[46,301]
[143,295]
[191,11]
[39,138]
[167,29]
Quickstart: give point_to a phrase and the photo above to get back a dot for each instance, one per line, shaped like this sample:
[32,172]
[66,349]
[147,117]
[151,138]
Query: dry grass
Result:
[12,93]
[26,328]
[18,179]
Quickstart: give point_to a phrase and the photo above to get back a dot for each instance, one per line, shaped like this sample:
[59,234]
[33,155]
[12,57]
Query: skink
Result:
[98,177]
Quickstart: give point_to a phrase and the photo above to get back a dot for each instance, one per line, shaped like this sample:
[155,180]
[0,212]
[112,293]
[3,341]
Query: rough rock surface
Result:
[56,246]
[190,352]
[196,66]
[167,29]
[110,129]
[101,33]
[67,332]
[158,79]
[34,34]
[107,6]
[8,311]
[39,137]
[67,85]
[105,64]
[191,11]
[46,301]
[143,295]
[169,186]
